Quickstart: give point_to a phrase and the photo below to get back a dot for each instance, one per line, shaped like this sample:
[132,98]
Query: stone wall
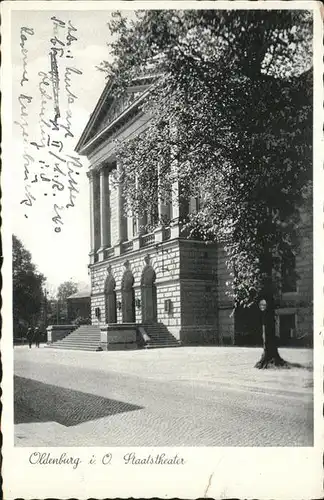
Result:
[198,260]
[198,278]
[164,259]
[225,305]
[300,302]
[170,290]
[186,287]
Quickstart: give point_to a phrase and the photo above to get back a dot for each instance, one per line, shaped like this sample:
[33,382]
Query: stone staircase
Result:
[84,338]
[156,335]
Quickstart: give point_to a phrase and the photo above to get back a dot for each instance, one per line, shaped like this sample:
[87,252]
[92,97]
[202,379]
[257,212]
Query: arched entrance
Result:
[148,292]
[110,298]
[128,298]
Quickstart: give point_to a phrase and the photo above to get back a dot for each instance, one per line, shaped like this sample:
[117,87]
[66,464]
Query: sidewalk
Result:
[228,366]
[187,396]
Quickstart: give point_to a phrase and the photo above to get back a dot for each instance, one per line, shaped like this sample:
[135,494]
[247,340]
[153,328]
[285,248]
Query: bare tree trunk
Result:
[270,356]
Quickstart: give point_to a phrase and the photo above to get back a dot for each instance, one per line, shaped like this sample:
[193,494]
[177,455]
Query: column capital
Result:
[91,174]
[103,170]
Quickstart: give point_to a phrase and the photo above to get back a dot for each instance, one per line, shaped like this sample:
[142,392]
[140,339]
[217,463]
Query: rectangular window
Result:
[194,205]
[288,274]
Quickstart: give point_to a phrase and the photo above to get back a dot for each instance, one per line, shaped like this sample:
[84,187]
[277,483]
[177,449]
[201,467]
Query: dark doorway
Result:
[128,296]
[148,295]
[287,325]
[247,326]
[110,300]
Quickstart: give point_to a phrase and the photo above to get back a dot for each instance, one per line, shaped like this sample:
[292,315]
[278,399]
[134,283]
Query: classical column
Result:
[121,219]
[175,201]
[104,212]
[96,212]
[175,229]
[162,211]
[90,176]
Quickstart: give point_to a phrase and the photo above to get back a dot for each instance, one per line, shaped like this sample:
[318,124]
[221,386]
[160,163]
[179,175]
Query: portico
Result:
[113,233]
[144,271]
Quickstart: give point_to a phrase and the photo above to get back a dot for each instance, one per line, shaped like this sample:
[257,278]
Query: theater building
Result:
[171,287]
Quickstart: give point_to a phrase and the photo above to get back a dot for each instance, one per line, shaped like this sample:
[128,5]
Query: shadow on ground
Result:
[38,402]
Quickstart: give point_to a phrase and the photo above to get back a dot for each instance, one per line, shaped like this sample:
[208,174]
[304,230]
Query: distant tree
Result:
[27,288]
[63,292]
[66,289]
[231,120]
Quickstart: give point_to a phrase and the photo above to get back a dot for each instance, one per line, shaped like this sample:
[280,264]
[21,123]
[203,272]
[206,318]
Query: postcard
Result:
[162,210]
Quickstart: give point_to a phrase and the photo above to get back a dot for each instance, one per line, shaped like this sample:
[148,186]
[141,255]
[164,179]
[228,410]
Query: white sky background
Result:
[59,256]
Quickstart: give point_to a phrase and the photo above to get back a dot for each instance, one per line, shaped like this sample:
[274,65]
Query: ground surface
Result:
[188,396]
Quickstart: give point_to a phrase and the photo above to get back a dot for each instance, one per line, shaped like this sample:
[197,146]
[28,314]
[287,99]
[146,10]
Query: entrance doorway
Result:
[128,296]
[110,300]
[148,294]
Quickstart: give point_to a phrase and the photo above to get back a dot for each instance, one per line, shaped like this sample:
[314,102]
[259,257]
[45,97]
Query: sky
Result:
[63,255]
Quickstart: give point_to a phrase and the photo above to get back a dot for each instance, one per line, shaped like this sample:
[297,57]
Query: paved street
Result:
[190,396]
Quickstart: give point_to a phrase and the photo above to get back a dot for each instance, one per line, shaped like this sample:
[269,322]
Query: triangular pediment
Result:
[109,108]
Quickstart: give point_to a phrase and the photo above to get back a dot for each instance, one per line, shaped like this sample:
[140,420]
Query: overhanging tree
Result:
[231,113]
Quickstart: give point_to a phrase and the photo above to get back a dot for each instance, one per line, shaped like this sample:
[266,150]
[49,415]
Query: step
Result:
[164,335]
[94,349]
[156,346]
[163,343]
[158,337]
[82,338]
[76,343]
[82,344]
[74,346]
[91,341]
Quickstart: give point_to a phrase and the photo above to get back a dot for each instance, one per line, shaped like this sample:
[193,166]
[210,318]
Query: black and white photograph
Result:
[162,303]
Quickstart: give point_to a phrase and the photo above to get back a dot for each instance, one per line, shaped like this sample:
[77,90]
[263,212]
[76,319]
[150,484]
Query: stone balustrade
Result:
[141,241]
[58,332]
[147,239]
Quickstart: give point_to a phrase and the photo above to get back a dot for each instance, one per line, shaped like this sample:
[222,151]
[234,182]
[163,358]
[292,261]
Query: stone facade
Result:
[186,302]
[188,291]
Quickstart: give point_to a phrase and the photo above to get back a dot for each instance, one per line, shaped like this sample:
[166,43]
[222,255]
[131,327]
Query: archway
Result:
[148,293]
[110,299]
[128,297]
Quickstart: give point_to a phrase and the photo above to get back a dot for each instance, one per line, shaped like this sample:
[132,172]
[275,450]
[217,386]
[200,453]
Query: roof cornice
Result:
[85,145]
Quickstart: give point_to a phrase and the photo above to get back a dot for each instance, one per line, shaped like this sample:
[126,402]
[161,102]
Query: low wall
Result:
[58,332]
[199,335]
[119,336]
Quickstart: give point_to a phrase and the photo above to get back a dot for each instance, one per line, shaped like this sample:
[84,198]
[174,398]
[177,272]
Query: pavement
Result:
[187,396]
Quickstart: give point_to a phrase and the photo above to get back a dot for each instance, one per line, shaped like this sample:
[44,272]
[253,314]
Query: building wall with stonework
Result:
[295,308]
[192,313]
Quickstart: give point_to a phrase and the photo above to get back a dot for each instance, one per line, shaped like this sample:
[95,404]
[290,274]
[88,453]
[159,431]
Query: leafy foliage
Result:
[65,290]
[27,288]
[231,117]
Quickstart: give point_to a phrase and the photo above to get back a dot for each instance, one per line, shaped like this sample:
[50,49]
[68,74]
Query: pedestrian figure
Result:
[263,309]
[30,336]
[37,336]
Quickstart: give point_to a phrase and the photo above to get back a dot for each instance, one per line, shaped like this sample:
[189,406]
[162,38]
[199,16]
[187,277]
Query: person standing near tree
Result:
[30,336]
